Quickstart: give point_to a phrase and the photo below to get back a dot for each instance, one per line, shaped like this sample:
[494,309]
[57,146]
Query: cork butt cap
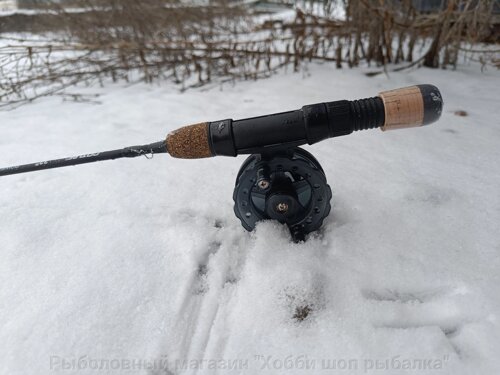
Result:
[411,106]
[190,142]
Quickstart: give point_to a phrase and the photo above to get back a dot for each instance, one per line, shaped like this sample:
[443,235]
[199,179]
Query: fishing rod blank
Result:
[128,152]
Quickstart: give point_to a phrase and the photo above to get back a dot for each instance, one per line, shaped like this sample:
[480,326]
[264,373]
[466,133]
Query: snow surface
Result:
[130,265]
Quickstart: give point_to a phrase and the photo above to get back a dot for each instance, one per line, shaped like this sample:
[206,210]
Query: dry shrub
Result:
[390,31]
[190,44]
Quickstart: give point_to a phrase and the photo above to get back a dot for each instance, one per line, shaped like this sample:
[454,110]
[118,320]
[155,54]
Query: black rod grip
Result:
[311,124]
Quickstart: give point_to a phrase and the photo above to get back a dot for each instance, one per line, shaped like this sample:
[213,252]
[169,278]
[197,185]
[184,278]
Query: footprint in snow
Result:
[447,309]
[201,284]
[302,302]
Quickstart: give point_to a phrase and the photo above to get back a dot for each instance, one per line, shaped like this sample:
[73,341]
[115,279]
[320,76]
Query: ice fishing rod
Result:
[279,180]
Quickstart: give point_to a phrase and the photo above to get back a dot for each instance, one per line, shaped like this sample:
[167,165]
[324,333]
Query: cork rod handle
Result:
[190,142]
[411,106]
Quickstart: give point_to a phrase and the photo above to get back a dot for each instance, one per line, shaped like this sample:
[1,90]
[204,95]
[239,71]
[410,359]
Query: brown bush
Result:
[191,44]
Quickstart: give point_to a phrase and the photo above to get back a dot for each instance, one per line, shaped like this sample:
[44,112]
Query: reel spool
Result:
[288,186]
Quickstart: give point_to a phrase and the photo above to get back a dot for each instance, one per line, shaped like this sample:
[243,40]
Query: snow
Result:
[7,5]
[134,264]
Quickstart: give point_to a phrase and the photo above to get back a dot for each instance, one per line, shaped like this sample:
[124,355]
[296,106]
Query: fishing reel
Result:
[288,186]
